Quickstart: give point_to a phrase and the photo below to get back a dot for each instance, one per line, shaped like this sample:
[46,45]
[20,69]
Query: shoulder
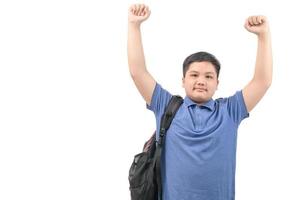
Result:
[236,97]
[235,106]
[159,99]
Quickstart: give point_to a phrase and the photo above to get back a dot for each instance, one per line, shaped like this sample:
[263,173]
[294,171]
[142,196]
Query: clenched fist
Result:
[138,13]
[257,25]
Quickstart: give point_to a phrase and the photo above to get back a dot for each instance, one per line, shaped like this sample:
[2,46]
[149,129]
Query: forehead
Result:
[202,67]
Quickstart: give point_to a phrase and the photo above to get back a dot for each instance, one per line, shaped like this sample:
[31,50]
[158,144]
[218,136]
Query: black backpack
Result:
[144,174]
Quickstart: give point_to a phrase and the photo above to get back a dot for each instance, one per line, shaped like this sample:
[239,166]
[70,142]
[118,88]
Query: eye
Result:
[194,75]
[209,77]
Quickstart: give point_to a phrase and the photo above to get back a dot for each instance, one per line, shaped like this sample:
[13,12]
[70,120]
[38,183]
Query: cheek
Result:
[188,87]
[211,86]
[186,83]
[214,87]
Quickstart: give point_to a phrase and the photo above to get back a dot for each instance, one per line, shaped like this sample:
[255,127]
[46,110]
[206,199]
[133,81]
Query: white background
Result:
[71,119]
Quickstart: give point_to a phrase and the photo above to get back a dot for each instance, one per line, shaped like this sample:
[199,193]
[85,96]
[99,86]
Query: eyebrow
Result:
[198,72]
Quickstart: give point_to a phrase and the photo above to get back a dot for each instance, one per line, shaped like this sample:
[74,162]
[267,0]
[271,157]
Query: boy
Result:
[198,162]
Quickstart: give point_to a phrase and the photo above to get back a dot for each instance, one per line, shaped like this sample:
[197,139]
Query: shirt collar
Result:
[209,104]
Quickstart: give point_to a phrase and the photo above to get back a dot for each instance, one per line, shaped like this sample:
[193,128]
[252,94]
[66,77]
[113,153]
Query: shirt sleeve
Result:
[159,101]
[237,108]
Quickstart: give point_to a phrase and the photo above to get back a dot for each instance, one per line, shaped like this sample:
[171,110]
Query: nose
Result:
[200,81]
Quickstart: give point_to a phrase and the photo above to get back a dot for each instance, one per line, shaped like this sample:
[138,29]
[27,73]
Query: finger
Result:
[131,9]
[259,19]
[263,18]
[136,9]
[247,24]
[249,21]
[146,11]
[142,10]
[253,20]
[256,20]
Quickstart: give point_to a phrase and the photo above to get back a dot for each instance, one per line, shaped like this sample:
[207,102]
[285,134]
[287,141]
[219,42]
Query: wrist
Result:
[264,35]
[136,25]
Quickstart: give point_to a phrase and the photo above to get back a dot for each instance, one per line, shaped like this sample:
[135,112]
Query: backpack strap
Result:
[168,116]
[165,123]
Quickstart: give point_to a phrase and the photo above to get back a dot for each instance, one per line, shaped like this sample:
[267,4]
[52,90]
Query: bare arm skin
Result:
[262,79]
[143,80]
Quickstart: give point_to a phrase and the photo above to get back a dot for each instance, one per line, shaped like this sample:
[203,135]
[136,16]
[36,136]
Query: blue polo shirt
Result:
[198,162]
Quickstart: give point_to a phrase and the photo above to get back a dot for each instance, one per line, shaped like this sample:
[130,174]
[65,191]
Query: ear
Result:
[217,84]
[182,82]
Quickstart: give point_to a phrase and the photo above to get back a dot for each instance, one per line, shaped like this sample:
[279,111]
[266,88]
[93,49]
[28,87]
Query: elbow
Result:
[265,82]
[132,70]
[268,82]
[262,84]
[134,74]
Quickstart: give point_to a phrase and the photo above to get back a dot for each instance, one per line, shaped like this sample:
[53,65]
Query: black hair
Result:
[201,57]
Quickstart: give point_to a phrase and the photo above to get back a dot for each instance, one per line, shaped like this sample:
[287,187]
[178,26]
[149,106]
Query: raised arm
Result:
[262,79]
[144,82]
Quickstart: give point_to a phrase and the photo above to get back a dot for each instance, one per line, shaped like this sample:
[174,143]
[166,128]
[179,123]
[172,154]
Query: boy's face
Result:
[200,81]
